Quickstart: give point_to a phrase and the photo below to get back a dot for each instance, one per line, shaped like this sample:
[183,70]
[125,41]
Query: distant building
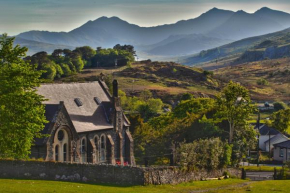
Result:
[281,151]
[269,135]
[86,124]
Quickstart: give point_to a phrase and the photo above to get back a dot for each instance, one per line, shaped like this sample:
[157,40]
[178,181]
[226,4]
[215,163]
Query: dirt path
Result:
[223,187]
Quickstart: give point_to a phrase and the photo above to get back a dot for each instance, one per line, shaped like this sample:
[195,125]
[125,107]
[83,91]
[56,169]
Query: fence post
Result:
[171,157]
[244,174]
[146,162]
[275,174]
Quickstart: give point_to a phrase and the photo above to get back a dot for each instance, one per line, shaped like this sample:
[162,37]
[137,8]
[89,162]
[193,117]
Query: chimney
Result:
[115,88]
[118,113]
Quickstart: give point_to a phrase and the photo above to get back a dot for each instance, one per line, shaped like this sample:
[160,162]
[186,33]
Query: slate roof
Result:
[88,117]
[276,137]
[264,130]
[284,144]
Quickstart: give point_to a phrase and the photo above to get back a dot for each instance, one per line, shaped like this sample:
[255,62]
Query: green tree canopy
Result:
[21,110]
[281,120]
[234,106]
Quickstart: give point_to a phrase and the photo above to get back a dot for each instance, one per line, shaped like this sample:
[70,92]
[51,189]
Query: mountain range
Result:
[214,28]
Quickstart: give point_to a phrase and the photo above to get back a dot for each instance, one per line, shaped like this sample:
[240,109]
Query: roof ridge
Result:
[68,82]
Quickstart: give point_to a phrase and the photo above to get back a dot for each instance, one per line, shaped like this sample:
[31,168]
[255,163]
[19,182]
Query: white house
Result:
[274,140]
[269,134]
[282,151]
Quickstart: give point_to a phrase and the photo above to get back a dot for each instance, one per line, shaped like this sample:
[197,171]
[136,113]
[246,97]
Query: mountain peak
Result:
[214,10]
[108,18]
[271,12]
[241,12]
[264,9]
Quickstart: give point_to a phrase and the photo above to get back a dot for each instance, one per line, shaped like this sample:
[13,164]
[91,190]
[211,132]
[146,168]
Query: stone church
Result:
[86,125]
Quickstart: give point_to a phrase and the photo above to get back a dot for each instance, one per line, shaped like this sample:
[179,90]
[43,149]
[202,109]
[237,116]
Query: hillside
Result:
[273,48]
[213,28]
[165,79]
[35,46]
[266,80]
[269,46]
[185,44]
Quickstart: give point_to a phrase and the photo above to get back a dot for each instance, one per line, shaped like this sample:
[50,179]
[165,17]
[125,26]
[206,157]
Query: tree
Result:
[21,110]
[86,52]
[128,48]
[145,95]
[57,53]
[49,71]
[279,105]
[281,120]
[66,70]
[234,106]
[78,63]
[186,96]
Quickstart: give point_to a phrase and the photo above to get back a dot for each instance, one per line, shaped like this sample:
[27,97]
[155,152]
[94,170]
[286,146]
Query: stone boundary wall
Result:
[173,175]
[122,175]
[119,175]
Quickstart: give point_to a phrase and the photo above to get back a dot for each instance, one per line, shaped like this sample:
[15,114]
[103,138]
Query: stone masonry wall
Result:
[122,175]
[173,175]
[72,172]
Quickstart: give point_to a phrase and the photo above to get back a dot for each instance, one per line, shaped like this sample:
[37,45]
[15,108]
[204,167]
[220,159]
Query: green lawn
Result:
[260,187]
[219,186]
[38,186]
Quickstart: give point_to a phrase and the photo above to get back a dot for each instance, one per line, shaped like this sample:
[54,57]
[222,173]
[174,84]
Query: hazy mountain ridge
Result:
[186,44]
[242,25]
[216,27]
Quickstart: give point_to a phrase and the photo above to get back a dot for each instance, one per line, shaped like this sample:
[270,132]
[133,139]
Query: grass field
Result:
[231,185]
[30,186]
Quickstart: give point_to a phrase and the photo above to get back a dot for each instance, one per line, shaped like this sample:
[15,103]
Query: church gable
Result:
[62,138]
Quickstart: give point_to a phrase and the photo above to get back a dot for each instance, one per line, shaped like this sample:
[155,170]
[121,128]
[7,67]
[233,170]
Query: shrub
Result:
[201,154]
[262,81]
[207,73]
[279,105]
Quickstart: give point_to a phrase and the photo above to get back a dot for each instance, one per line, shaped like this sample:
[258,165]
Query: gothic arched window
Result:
[64,152]
[83,150]
[103,148]
[97,144]
[56,151]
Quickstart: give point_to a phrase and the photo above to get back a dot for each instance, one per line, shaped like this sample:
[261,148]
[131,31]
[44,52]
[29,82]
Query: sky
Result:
[18,16]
